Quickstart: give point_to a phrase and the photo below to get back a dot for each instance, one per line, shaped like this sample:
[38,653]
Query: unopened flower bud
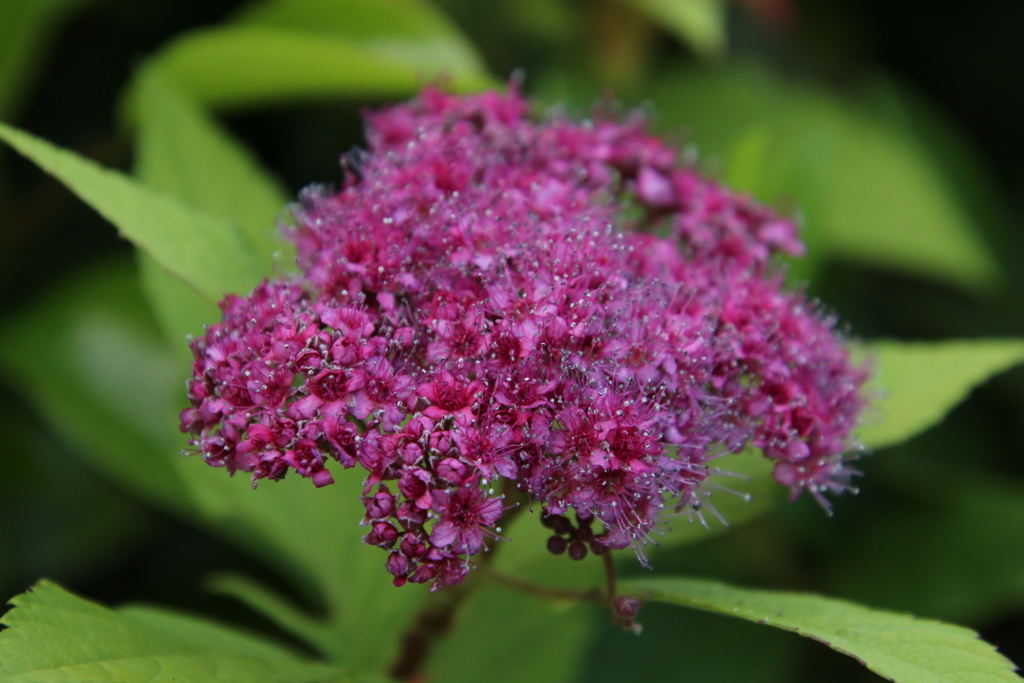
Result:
[557,545]
[560,524]
[382,535]
[577,550]
[626,606]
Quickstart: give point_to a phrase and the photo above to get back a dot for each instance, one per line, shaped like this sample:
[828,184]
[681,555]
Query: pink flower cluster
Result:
[486,299]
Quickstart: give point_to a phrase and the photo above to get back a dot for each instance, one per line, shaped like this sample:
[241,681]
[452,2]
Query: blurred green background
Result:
[894,126]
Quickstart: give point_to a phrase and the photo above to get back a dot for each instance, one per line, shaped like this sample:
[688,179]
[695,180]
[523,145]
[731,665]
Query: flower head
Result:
[476,304]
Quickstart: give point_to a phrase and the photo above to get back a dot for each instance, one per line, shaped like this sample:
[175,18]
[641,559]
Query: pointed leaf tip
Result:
[918,383]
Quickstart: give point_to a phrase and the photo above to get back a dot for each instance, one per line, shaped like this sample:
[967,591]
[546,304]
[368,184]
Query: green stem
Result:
[592,595]
[431,623]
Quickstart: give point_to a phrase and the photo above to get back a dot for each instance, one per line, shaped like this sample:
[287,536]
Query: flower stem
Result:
[433,621]
[609,572]
[592,595]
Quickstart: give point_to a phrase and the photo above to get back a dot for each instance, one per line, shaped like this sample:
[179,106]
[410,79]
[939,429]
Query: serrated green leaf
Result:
[211,254]
[871,193]
[899,647]
[249,65]
[108,383]
[917,383]
[409,30]
[54,636]
[698,23]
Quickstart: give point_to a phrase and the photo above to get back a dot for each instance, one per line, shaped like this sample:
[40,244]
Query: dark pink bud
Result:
[560,524]
[557,545]
[382,535]
[413,482]
[626,606]
[321,478]
[413,546]
[191,421]
[398,565]
[451,470]
[425,572]
[382,505]
[410,516]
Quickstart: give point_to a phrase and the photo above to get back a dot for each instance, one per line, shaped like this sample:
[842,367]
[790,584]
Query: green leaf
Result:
[899,647]
[313,534]
[871,192]
[698,23]
[181,311]
[211,254]
[55,636]
[279,610]
[90,359]
[408,30]
[749,159]
[25,26]
[968,175]
[182,152]
[889,205]
[917,383]
[514,637]
[248,65]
